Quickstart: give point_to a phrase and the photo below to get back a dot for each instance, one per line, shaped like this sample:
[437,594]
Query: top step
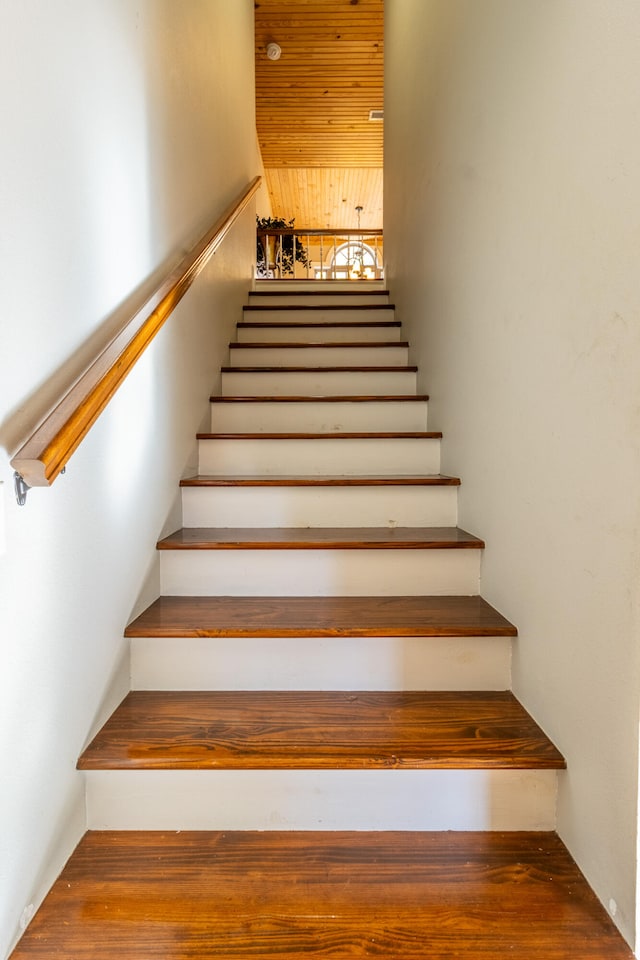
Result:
[320,286]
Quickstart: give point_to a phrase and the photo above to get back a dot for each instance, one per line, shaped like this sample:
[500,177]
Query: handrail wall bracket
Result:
[21,488]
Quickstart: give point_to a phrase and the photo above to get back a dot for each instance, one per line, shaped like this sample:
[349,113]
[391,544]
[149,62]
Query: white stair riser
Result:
[321,800]
[301,315]
[319,417]
[319,506]
[307,383]
[315,286]
[318,299]
[312,573]
[321,663]
[318,356]
[318,457]
[309,334]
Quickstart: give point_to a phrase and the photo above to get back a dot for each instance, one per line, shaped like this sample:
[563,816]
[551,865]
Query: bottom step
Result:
[321,760]
[282,895]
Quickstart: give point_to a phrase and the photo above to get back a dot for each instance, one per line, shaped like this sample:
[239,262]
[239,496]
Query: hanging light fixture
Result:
[357,267]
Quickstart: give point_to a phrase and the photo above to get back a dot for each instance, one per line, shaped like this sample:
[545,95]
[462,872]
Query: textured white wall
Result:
[127,127]
[512,149]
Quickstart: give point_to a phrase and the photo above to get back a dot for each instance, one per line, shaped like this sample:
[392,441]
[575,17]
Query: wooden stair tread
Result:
[322,369]
[319,538]
[317,324]
[314,344]
[320,617]
[316,293]
[388,435]
[314,730]
[273,894]
[370,398]
[315,307]
[438,480]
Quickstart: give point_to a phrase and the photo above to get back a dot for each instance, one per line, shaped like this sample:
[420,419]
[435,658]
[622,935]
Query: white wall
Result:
[512,148]
[127,127]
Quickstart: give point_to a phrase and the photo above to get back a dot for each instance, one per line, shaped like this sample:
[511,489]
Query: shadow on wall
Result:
[221,152]
[31,409]
[147,114]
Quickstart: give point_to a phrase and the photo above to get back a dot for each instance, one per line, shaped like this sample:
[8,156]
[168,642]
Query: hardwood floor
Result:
[409,896]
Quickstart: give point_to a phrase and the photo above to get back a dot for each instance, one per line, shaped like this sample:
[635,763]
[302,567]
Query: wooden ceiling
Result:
[322,154]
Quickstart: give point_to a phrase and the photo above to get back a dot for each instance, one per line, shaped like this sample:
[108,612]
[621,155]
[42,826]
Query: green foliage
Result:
[284,255]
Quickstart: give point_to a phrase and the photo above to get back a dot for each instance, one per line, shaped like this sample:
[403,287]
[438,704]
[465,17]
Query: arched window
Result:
[354,260]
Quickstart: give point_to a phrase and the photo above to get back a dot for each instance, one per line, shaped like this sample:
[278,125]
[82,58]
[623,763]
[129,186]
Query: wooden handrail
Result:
[301,232]
[44,455]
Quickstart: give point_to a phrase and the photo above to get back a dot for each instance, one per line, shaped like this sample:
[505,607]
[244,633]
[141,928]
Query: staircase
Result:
[320,693]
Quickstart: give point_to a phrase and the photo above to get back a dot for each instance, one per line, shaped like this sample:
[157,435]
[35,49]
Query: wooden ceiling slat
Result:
[321,53]
[322,155]
[324,195]
[328,130]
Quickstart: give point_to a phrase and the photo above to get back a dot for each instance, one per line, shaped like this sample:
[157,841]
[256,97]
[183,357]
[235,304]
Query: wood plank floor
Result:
[316,730]
[401,896]
[320,538]
[320,617]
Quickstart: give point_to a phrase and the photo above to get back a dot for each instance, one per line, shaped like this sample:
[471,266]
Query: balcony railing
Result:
[297,254]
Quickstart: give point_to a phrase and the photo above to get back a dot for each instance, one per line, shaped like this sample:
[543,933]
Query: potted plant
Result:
[271,251]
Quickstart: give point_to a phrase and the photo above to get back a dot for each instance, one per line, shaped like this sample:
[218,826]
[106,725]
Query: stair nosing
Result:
[316,293]
[244,324]
[337,398]
[320,538]
[317,344]
[257,307]
[206,480]
[390,435]
[390,368]
[307,617]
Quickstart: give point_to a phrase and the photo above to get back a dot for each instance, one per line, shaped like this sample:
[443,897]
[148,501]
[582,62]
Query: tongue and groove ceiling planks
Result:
[322,155]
